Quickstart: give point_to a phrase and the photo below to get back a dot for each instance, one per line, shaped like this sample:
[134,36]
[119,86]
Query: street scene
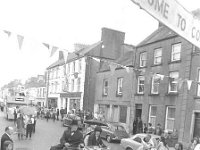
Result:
[100,75]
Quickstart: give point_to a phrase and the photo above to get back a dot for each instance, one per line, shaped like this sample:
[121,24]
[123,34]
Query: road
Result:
[47,134]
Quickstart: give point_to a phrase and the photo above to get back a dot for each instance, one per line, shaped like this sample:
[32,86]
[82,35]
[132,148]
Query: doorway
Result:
[197,125]
[138,110]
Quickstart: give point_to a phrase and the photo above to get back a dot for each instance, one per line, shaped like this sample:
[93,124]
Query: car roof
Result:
[95,122]
[144,134]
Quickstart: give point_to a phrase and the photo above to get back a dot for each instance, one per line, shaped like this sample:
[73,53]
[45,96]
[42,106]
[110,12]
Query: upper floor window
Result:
[105,87]
[119,86]
[173,84]
[155,84]
[140,88]
[198,83]
[74,66]
[78,84]
[176,52]
[170,118]
[79,65]
[143,59]
[68,68]
[157,56]
[72,85]
[152,115]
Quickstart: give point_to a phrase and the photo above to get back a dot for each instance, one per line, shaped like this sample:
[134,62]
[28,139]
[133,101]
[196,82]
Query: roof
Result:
[161,33]
[82,52]
[57,63]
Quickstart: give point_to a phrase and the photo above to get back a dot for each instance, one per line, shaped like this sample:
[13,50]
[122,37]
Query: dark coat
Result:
[74,140]
[4,138]
[92,141]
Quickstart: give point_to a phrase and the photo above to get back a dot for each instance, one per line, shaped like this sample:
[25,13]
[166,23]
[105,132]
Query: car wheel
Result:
[128,148]
[108,138]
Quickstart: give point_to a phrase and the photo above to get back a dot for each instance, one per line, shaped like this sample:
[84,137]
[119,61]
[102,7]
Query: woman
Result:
[20,126]
[178,146]
[193,143]
[162,144]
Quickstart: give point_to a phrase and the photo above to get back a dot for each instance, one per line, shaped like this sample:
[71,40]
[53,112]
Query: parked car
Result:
[135,142]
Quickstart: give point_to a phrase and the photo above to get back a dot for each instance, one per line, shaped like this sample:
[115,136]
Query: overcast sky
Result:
[62,23]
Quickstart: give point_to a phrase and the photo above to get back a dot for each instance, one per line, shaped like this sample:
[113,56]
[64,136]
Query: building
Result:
[114,88]
[167,87]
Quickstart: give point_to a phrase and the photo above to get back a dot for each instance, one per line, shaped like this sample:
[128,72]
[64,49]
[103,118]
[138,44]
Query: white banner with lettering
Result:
[174,16]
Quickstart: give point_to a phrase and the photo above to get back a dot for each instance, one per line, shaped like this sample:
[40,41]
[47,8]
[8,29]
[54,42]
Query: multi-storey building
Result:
[167,89]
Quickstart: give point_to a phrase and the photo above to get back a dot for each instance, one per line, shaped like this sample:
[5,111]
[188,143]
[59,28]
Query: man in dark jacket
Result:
[57,113]
[71,137]
[95,139]
[6,136]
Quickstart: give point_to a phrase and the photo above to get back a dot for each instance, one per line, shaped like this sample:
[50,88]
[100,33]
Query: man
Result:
[158,130]
[57,114]
[95,139]
[6,136]
[62,113]
[29,127]
[71,137]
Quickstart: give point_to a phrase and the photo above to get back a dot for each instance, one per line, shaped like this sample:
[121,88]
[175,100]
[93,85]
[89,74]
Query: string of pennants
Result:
[20,39]
[158,77]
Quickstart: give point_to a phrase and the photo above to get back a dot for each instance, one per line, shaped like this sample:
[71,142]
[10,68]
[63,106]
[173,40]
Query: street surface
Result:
[47,134]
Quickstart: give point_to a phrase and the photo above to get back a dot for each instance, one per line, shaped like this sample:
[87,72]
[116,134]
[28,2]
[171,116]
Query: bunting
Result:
[96,59]
[46,45]
[53,50]
[7,32]
[112,68]
[20,40]
[189,83]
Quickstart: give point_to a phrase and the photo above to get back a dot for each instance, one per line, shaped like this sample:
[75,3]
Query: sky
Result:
[63,23]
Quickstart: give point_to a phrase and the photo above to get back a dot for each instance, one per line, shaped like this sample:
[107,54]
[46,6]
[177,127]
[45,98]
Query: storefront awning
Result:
[70,94]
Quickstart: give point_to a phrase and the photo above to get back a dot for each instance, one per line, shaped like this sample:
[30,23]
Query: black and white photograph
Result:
[100,75]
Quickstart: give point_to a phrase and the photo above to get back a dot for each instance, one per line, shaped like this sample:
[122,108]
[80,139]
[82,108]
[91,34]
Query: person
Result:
[8,145]
[193,143]
[94,139]
[62,113]
[162,144]
[158,130]
[57,114]
[20,126]
[145,129]
[135,126]
[34,123]
[150,129]
[139,125]
[15,115]
[54,115]
[72,137]
[48,115]
[178,146]
[147,145]
[29,127]
[6,136]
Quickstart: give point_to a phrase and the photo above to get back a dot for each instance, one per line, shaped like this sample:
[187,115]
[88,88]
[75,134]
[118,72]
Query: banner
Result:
[53,50]
[7,32]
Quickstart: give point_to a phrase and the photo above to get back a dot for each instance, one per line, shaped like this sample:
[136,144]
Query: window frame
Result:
[153,83]
[143,62]
[72,85]
[198,82]
[74,66]
[157,57]
[169,86]
[105,88]
[173,58]
[151,116]
[172,119]
[120,85]
[78,84]
[138,85]
[79,65]
[123,119]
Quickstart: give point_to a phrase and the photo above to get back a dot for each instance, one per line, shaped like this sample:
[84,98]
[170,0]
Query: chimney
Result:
[112,43]
[61,55]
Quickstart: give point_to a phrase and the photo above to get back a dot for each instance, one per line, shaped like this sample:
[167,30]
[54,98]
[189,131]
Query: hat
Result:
[98,128]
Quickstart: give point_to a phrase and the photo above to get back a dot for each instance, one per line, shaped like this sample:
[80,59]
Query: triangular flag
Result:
[156,78]
[46,45]
[20,40]
[112,68]
[53,50]
[180,83]
[127,69]
[160,76]
[7,32]
[189,83]
[96,59]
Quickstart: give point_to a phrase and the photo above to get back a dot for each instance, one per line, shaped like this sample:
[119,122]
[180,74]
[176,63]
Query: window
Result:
[68,69]
[78,84]
[170,118]
[123,114]
[105,87]
[143,59]
[74,66]
[79,66]
[155,84]
[119,86]
[72,86]
[173,85]
[176,52]
[140,88]
[198,83]
[152,115]
[157,56]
